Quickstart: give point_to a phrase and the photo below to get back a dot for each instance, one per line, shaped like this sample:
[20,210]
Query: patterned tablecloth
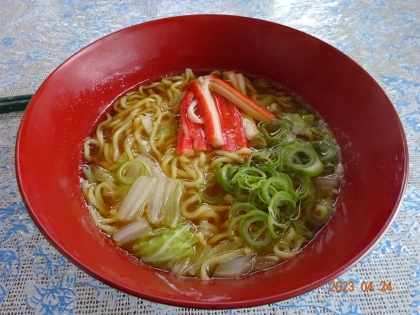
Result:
[383,36]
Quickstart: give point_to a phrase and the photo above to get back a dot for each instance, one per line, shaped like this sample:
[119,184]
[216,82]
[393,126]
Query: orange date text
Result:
[365,286]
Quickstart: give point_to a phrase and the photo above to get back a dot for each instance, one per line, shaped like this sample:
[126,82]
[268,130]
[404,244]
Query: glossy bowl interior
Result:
[69,103]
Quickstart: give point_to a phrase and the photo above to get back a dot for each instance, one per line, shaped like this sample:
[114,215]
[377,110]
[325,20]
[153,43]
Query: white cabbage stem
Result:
[218,259]
[133,204]
[131,231]
[234,268]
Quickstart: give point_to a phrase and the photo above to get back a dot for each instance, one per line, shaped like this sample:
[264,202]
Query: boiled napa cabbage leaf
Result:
[164,245]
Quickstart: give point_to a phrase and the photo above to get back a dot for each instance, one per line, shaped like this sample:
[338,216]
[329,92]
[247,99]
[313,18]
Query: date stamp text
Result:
[365,286]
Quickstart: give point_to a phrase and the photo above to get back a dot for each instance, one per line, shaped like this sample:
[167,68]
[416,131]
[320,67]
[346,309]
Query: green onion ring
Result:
[236,212]
[275,130]
[209,183]
[240,207]
[305,160]
[271,186]
[257,158]
[327,151]
[273,225]
[305,188]
[282,207]
[248,177]
[225,175]
[250,219]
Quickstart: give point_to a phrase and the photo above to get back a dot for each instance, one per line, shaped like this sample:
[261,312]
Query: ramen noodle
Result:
[213,176]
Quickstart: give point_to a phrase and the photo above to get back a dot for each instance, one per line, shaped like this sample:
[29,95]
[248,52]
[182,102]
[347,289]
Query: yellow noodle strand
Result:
[86,148]
[94,201]
[209,226]
[108,153]
[153,134]
[202,211]
[115,140]
[217,238]
[143,102]
[99,221]
[99,133]
[199,179]
[283,251]
[128,147]
[98,191]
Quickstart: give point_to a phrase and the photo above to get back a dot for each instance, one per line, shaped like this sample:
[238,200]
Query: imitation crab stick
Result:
[190,135]
[232,127]
[227,122]
[240,136]
[243,102]
[184,146]
[212,126]
[220,123]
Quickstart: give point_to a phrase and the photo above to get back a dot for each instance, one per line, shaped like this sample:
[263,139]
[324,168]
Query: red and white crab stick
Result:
[215,115]
[243,102]
[191,133]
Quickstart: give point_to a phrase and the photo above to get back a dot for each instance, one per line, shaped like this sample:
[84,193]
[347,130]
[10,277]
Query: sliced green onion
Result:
[253,229]
[211,191]
[240,208]
[224,176]
[129,171]
[236,212]
[248,177]
[308,118]
[274,131]
[269,171]
[273,185]
[257,158]
[304,159]
[255,199]
[288,145]
[282,207]
[277,230]
[277,156]
[232,225]
[327,151]
[241,194]
[304,187]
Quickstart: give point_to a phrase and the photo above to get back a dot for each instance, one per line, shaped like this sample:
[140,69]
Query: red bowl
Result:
[67,106]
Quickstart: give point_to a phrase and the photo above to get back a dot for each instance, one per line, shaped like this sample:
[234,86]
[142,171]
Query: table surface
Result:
[36,36]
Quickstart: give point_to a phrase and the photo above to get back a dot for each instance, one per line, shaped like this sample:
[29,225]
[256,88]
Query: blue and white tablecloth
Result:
[383,36]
